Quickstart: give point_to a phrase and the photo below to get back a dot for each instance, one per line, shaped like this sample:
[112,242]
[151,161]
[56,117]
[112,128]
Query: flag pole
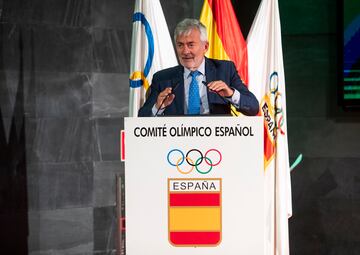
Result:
[120,243]
[275,174]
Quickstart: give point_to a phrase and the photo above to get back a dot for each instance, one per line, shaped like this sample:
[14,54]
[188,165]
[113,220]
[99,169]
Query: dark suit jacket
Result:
[214,70]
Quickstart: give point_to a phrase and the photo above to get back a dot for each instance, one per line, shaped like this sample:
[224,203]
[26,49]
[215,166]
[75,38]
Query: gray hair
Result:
[184,28]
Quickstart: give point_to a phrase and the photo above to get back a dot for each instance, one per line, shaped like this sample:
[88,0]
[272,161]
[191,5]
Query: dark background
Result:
[64,67]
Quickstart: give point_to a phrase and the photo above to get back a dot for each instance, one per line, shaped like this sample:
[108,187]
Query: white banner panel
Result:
[194,185]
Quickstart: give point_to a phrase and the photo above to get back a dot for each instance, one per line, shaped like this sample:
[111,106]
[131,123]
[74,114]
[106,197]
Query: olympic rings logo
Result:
[139,78]
[194,158]
[279,112]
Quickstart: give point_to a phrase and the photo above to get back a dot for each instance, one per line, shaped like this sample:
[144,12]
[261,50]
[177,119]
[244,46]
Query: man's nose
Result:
[186,49]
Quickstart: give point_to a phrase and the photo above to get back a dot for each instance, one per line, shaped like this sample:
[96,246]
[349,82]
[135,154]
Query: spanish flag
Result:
[224,34]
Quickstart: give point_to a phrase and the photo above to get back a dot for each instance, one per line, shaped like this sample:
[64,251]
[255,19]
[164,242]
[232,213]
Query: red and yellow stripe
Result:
[194,199]
[195,218]
[224,34]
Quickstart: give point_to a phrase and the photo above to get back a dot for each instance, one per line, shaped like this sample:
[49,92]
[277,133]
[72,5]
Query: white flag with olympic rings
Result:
[151,50]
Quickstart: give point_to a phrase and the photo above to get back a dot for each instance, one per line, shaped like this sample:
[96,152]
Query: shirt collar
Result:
[201,69]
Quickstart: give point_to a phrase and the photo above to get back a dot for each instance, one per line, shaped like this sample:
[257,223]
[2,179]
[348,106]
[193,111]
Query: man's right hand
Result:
[165,98]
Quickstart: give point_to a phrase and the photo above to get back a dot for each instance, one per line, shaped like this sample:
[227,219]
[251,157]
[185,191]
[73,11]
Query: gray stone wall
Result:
[64,66]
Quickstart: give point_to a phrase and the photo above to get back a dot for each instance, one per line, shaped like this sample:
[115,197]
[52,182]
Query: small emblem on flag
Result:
[194,207]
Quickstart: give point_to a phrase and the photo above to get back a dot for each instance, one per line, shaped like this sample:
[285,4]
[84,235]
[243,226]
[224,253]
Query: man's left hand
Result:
[221,88]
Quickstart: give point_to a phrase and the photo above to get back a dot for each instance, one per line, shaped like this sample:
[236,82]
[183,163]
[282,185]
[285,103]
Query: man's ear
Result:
[206,46]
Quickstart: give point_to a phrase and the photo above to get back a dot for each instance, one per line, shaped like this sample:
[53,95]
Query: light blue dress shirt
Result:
[204,107]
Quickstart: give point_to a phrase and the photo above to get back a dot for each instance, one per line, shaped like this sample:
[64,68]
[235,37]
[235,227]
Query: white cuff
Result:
[235,99]
[155,110]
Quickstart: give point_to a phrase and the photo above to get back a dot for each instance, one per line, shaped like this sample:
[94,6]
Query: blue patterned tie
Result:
[194,95]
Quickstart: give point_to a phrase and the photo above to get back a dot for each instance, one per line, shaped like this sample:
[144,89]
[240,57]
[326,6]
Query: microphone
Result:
[177,83]
[222,98]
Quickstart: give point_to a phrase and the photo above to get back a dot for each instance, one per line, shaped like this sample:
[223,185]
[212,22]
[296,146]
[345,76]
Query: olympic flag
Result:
[151,50]
[267,82]
[226,41]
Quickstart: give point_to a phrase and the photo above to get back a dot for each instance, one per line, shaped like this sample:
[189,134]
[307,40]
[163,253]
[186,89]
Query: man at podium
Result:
[200,85]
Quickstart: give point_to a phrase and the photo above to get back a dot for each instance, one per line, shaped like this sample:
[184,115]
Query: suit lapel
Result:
[210,72]
[179,92]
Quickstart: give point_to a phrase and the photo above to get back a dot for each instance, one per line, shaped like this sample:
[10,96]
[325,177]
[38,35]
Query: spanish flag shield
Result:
[194,212]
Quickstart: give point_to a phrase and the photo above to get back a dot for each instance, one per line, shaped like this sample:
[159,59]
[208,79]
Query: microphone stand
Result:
[163,101]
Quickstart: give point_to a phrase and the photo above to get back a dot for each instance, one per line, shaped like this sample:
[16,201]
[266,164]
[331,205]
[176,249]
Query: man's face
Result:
[190,49]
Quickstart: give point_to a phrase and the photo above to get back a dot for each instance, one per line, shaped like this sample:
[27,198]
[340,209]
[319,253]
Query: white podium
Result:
[194,185]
